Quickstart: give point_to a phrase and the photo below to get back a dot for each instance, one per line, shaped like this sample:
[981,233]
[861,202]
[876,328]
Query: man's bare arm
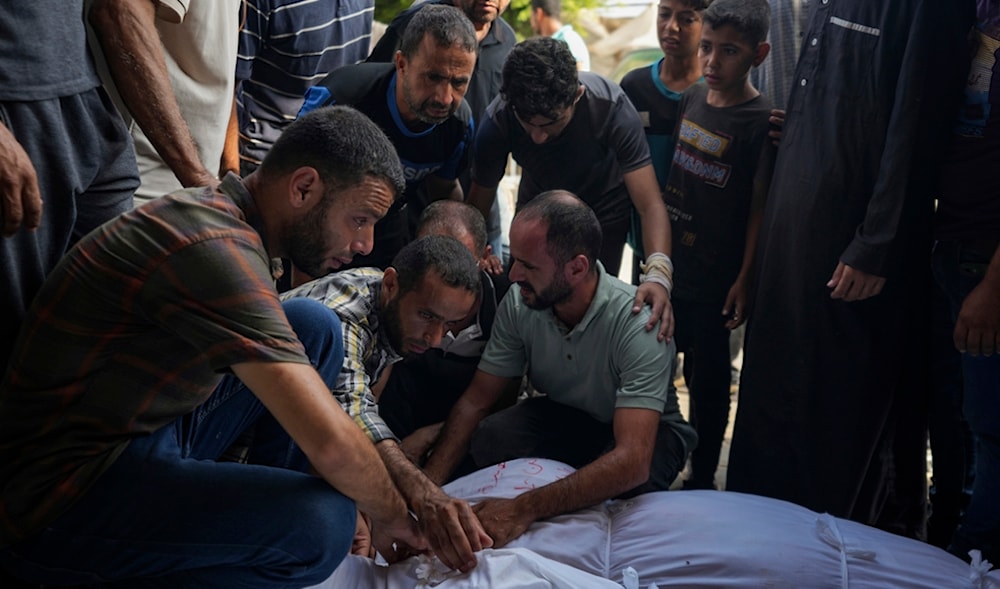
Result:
[623,468]
[132,48]
[450,526]
[645,194]
[475,403]
[482,198]
[230,160]
[336,447]
[442,189]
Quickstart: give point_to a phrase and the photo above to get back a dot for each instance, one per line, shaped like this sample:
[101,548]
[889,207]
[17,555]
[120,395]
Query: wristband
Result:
[658,268]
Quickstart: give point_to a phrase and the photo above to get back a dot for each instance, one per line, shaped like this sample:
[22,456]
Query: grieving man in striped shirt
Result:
[286,47]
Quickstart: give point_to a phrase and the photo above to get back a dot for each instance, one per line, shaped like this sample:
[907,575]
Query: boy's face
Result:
[678,27]
[726,58]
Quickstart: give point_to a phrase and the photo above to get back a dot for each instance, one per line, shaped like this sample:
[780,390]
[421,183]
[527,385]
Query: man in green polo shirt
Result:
[606,407]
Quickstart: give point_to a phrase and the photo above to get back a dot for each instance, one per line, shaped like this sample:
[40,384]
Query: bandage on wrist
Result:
[658,268]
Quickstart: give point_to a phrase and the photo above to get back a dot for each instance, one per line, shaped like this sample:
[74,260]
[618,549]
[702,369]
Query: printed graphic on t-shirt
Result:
[697,153]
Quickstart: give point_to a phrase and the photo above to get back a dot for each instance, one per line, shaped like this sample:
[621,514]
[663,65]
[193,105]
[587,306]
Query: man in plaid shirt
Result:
[430,288]
[157,341]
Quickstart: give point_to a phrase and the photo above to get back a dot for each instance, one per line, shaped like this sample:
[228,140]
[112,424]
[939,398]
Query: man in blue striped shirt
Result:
[286,46]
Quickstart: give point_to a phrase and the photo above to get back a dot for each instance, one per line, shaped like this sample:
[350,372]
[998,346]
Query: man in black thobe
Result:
[832,411]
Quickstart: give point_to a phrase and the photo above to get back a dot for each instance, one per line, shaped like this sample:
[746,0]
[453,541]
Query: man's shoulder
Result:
[503,34]
[462,117]
[600,87]
[354,83]
[637,78]
[603,99]
[198,214]
[616,298]
[352,294]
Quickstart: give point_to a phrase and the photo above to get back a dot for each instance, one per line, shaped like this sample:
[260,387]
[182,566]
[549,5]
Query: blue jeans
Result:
[959,269]
[166,514]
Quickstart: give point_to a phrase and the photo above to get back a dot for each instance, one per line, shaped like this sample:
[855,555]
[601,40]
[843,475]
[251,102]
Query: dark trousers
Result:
[541,428]
[702,336]
[83,156]
[959,269]
[166,514]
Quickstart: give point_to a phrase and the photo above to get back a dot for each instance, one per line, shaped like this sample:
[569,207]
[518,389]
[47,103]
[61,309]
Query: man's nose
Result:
[434,335]
[445,94]
[515,274]
[538,136]
[364,242]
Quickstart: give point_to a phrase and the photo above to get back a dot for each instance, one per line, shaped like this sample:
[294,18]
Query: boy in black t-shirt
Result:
[715,195]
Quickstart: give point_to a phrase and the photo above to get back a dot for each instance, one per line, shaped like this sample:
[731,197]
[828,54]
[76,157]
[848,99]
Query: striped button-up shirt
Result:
[355,296]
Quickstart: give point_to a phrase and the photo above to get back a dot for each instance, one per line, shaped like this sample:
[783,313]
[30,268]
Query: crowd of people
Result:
[258,313]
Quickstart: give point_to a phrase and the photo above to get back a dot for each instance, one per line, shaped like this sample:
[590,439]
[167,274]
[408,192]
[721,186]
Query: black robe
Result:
[832,405]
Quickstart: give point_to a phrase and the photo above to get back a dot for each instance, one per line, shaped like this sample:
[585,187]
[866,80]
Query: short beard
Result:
[419,110]
[306,243]
[557,292]
[391,325]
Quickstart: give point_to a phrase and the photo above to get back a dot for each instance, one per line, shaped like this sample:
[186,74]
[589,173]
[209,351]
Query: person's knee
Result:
[319,330]
[324,524]
[491,442]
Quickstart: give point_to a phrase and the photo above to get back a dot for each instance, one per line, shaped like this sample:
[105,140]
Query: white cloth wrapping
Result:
[680,539]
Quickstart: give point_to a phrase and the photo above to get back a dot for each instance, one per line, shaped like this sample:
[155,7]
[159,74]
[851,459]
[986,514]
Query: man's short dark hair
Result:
[447,25]
[698,5]
[549,7]
[342,144]
[451,261]
[750,18]
[540,78]
[442,217]
[573,228]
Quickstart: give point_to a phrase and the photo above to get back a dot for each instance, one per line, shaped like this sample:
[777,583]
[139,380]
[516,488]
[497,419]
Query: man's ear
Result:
[390,285]
[576,268]
[400,60]
[304,188]
[762,51]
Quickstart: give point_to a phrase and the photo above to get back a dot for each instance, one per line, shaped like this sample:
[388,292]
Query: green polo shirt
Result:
[606,361]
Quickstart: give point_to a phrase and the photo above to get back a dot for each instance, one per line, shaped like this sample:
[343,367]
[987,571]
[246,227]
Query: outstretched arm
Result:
[443,189]
[131,44]
[475,403]
[338,450]
[645,195]
[453,530]
[482,198]
[625,467]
